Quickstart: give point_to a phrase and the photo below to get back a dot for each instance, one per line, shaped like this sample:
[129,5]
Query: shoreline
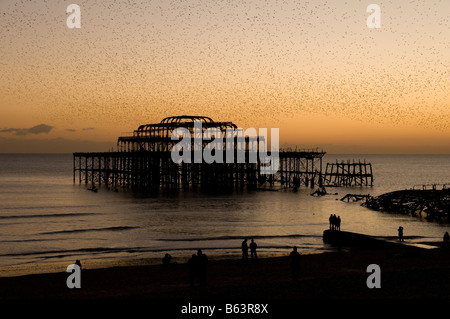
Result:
[353,241]
[406,272]
[26,269]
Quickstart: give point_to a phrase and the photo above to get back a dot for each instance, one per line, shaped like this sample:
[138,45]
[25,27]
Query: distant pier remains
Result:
[349,174]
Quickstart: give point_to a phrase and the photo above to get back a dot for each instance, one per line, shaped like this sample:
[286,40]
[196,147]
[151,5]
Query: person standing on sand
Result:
[253,247]
[400,233]
[192,263]
[202,261]
[446,239]
[244,248]
[166,259]
[294,257]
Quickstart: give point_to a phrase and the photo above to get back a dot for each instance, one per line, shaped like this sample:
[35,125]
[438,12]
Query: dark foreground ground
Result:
[406,273]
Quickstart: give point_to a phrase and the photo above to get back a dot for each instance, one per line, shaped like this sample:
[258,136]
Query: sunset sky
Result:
[313,69]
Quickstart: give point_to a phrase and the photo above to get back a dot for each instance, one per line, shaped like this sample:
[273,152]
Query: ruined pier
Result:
[143,161]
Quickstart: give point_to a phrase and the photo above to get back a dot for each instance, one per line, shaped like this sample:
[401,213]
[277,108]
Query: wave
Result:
[25,240]
[96,250]
[117,228]
[239,237]
[107,250]
[70,252]
[45,215]
[34,207]
[396,237]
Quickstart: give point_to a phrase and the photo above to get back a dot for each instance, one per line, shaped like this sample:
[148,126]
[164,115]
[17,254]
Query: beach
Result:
[407,272]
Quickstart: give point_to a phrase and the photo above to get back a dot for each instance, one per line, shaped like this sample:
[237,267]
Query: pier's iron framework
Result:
[143,161]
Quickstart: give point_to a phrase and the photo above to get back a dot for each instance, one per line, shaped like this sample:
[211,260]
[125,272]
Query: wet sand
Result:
[406,273]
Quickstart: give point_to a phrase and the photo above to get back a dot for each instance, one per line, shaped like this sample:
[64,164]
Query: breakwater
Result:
[431,204]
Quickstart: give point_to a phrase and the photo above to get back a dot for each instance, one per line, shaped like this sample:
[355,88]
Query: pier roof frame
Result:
[187,121]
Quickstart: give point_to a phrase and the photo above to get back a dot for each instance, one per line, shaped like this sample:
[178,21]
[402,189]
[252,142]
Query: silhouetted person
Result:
[193,265]
[253,247]
[400,233]
[294,257]
[333,222]
[446,239]
[202,262]
[244,248]
[338,223]
[166,259]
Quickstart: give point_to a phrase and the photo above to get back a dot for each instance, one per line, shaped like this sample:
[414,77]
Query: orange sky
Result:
[311,68]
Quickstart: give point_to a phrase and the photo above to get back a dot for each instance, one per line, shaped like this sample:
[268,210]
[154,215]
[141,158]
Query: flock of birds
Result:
[139,61]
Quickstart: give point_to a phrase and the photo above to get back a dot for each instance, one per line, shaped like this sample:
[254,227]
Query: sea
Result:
[48,222]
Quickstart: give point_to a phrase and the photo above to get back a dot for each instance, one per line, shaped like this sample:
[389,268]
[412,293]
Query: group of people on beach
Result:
[197,268]
[335,222]
[197,264]
[294,256]
[245,247]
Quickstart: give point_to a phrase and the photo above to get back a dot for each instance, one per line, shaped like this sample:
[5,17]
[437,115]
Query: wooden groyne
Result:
[431,204]
[356,240]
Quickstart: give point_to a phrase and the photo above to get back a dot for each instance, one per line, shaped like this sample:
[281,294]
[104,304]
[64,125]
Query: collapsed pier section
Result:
[355,173]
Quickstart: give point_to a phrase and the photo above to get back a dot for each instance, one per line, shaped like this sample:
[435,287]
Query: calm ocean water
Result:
[46,221]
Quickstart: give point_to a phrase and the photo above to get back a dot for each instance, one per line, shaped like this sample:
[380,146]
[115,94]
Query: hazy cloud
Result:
[55,145]
[88,128]
[38,129]
[70,130]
